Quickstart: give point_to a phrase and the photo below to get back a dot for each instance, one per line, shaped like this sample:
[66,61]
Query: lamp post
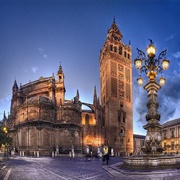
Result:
[152,66]
[5,130]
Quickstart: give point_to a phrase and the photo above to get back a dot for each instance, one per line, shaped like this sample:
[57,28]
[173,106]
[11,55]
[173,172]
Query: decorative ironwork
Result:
[151,66]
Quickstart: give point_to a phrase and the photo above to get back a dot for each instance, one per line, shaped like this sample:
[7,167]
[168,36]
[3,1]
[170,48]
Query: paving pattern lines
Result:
[75,169]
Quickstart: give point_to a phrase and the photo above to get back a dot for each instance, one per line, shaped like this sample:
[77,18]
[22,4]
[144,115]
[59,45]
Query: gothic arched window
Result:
[87,118]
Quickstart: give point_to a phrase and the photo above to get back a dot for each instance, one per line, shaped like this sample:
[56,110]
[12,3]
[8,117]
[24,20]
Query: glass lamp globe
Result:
[165,64]
[162,81]
[151,50]
[140,81]
[138,63]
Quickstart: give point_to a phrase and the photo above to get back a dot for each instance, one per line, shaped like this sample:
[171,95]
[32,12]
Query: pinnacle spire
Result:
[60,71]
[114,32]
[15,86]
[114,20]
[95,96]
[77,94]
[4,116]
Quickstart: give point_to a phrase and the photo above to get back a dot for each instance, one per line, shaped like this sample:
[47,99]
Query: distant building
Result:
[42,120]
[171,136]
[139,141]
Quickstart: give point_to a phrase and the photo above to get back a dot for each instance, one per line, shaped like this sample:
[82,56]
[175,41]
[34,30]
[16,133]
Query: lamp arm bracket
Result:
[141,54]
[159,69]
[144,69]
[162,54]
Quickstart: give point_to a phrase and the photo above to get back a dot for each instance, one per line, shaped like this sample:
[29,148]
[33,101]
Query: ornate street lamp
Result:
[152,66]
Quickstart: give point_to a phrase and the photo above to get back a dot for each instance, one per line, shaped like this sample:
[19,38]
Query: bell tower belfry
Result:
[116,91]
[60,87]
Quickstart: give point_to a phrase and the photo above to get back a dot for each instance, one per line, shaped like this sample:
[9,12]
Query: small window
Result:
[124,53]
[115,49]
[111,47]
[120,50]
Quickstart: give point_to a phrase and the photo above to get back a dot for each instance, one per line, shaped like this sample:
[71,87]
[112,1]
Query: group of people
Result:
[104,154]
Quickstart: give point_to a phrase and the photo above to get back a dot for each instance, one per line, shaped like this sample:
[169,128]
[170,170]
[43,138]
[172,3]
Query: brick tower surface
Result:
[116,91]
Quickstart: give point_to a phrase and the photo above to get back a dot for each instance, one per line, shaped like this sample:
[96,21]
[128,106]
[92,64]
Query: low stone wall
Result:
[151,161]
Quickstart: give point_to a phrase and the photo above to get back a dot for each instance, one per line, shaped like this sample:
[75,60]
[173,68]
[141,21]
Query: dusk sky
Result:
[36,35]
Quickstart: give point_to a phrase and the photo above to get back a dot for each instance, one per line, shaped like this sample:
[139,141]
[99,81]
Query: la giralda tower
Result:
[116,92]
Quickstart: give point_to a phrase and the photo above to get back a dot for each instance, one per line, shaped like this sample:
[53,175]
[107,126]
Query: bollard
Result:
[52,153]
[37,153]
[55,154]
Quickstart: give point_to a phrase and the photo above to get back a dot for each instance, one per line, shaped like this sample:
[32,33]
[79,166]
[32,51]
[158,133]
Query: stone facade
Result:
[41,119]
[139,141]
[171,136]
[116,91]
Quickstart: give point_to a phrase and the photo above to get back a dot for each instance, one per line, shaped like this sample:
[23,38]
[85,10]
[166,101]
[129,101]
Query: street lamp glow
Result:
[140,81]
[5,130]
[151,50]
[138,63]
[165,64]
[162,81]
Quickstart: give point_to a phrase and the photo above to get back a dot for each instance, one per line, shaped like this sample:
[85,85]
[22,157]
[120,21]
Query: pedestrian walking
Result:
[106,154]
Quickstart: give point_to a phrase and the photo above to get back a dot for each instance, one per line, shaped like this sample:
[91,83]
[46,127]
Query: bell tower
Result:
[60,87]
[116,91]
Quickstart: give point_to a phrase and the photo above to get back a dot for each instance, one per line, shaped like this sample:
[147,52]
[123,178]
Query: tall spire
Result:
[114,20]
[95,96]
[15,89]
[60,71]
[15,86]
[77,94]
[4,116]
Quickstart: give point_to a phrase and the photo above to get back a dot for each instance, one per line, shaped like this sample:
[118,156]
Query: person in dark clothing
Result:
[106,154]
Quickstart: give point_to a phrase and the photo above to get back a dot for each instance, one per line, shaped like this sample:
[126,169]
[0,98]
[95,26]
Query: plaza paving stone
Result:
[66,168]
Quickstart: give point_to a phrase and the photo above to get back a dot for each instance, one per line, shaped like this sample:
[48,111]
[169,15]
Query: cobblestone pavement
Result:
[60,168]
[65,168]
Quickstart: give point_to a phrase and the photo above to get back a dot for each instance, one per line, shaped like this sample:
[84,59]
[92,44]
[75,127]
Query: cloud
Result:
[168,98]
[34,69]
[25,70]
[176,55]
[5,101]
[5,98]
[45,56]
[43,53]
[169,38]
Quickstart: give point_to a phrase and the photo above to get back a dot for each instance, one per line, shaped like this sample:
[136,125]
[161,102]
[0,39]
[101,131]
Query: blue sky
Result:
[35,35]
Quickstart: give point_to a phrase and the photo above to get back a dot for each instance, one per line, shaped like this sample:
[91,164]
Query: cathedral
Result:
[42,120]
